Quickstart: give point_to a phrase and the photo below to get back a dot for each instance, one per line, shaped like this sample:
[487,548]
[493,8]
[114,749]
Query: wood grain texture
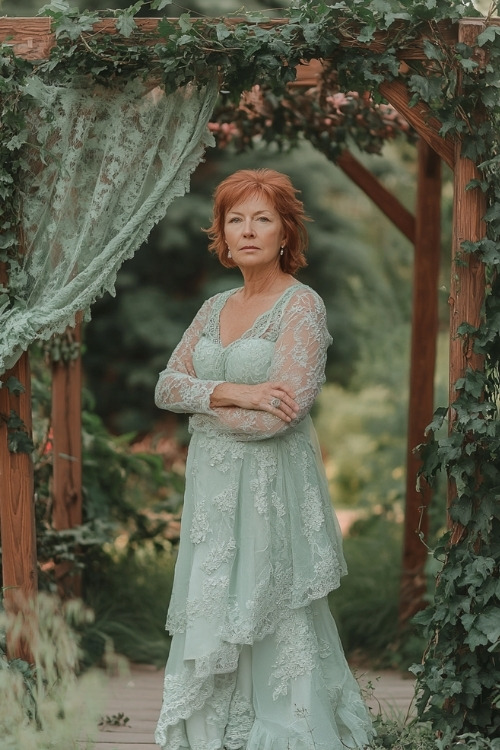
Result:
[67,510]
[30,38]
[17,508]
[67,440]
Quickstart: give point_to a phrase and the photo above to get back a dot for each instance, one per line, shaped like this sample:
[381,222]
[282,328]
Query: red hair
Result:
[276,188]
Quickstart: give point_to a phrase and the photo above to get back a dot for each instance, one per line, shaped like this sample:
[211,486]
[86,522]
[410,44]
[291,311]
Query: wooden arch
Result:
[31,38]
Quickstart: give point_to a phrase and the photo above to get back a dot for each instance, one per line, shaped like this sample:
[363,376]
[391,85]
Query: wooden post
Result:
[67,452]
[422,368]
[467,286]
[17,503]
[17,507]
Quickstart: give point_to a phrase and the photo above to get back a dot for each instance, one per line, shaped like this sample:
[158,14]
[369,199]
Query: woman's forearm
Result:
[229,394]
[276,398]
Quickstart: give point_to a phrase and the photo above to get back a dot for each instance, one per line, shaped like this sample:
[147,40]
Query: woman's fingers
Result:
[281,402]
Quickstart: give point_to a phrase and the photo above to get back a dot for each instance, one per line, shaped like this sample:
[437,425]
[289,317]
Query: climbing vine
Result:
[459,678]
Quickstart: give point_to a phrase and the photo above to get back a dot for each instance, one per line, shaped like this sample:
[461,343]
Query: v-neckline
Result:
[250,328]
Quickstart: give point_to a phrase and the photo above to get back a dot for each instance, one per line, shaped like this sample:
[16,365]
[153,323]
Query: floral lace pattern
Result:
[260,548]
[103,169]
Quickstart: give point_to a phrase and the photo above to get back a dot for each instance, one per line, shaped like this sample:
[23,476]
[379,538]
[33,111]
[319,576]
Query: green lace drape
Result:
[104,166]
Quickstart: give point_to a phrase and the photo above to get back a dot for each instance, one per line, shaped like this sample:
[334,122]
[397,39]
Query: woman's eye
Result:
[233,220]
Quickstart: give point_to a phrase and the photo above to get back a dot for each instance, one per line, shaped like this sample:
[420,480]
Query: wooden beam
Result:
[388,203]
[467,285]
[422,369]
[426,125]
[32,37]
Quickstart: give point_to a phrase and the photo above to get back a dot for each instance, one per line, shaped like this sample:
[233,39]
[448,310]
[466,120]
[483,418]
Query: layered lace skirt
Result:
[255,661]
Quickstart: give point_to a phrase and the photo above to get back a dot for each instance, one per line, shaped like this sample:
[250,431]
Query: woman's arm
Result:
[298,368]
[178,389]
[261,397]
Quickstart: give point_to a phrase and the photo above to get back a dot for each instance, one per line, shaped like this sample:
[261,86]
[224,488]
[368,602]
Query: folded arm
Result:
[178,389]
[298,368]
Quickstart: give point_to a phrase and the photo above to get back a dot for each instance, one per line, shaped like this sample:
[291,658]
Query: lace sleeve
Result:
[299,360]
[178,389]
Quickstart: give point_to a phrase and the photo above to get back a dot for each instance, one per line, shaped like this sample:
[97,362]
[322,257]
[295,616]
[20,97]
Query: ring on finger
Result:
[275,403]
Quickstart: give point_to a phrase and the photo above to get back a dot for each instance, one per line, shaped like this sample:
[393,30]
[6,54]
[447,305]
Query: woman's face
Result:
[254,233]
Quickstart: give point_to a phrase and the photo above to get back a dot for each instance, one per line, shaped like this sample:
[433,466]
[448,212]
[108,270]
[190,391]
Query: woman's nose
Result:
[248,228]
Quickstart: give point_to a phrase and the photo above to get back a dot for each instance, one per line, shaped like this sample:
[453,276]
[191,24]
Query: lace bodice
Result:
[287,343]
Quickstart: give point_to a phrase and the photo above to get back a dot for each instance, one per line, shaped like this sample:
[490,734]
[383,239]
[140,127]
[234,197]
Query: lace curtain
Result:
[105,166]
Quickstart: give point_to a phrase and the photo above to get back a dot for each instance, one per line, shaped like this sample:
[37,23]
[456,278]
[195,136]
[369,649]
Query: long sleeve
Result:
[178,389]
[298,360]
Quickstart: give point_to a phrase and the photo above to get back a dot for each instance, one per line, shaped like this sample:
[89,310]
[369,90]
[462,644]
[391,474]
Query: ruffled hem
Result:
[300,693]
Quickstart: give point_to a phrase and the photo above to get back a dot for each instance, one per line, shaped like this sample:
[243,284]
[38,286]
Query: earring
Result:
[229,254]
[282,250]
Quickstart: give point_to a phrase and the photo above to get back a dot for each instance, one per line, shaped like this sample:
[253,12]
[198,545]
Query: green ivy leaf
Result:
[432,51]
[366,34]
[222,32]
[488,35]
[488,623]
[468,64]
[159,4]
[125,24]
[14,386]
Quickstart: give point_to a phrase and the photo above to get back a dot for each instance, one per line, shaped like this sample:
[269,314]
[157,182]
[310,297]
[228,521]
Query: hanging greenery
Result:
[364,42]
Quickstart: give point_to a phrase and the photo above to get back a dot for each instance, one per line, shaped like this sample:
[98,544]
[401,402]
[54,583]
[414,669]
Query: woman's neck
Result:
[264,282]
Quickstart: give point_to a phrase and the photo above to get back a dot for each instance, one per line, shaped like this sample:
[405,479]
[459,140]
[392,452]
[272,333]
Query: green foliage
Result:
[121,549]
[125,493]
[18,439]
[461,672]
[393,735]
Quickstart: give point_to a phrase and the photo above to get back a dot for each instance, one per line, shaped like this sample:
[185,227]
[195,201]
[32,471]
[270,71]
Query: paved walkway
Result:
[136,697]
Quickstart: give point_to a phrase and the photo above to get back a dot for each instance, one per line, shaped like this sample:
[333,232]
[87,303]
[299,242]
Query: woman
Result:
[255,661]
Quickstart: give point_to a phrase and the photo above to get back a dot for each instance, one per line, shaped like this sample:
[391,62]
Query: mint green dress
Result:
[255,660]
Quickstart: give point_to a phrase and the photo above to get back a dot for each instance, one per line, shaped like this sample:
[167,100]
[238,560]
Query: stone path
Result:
[136,696]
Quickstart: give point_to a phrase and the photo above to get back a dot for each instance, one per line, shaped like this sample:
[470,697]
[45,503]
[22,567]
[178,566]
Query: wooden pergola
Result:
[31,38]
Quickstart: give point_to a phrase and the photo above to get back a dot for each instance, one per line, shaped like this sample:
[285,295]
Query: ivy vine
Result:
[459,678]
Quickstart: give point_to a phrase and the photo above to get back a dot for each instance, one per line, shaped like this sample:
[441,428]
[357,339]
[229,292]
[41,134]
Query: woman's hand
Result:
[276,398]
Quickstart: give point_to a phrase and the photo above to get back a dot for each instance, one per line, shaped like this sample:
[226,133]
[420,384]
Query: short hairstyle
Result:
[277,188]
